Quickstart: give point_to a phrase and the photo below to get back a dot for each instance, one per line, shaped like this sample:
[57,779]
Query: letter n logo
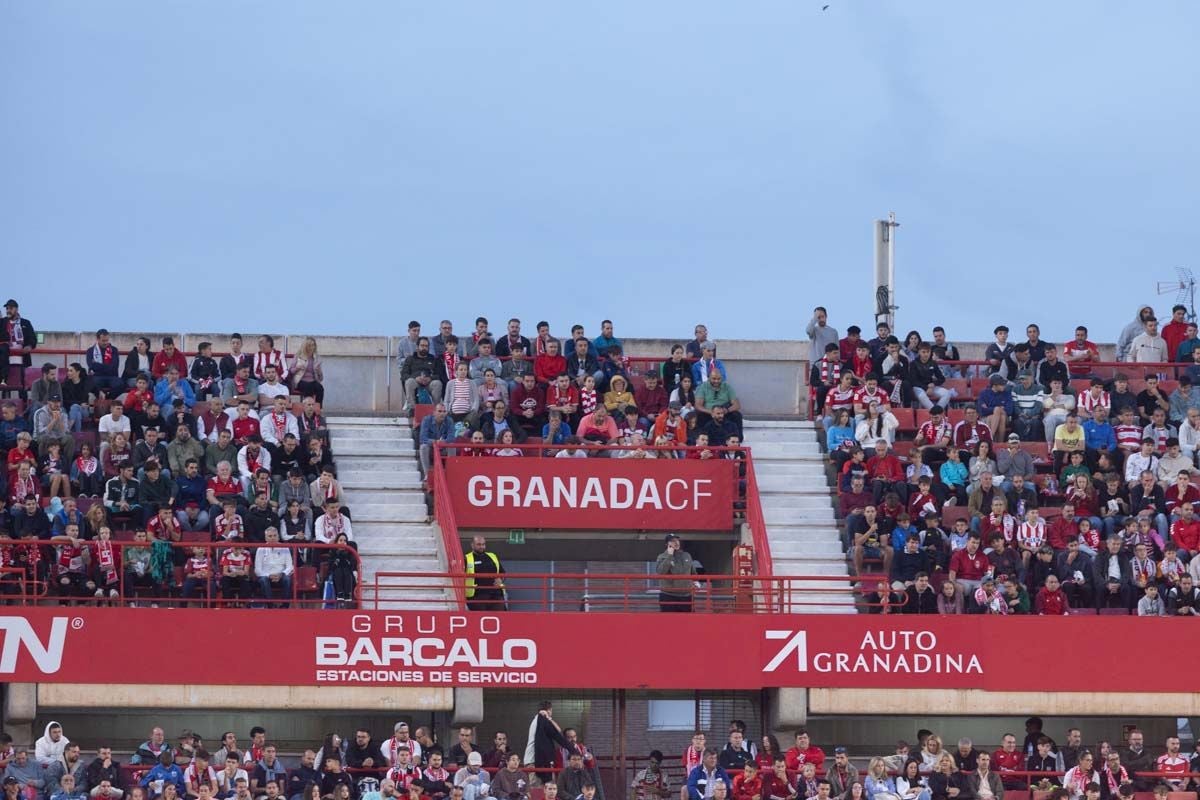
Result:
[19,634]
[794,642]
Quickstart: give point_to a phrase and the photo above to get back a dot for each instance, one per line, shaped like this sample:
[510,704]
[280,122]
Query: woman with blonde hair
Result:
[306,374]
[877,783]
[930,754]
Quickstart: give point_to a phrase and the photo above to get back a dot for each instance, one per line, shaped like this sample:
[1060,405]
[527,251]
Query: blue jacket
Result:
[163,396]
[564,430]
[432,432]
[954,473]
[695,790]
[172,774]
[989,400]
[191,490]
[1099,437]
[602,343]
[835,436]
[699,377]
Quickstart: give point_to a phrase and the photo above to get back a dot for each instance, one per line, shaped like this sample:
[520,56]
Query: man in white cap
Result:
[472,778]
[400,739]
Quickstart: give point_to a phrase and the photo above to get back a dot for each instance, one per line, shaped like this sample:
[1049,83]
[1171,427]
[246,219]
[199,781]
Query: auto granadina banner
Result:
[729,651]
[613,493]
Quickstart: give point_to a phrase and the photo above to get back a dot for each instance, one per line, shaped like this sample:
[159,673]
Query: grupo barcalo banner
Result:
[563,651]
[638,494]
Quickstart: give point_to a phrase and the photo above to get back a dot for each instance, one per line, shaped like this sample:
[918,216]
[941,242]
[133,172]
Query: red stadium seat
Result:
[902,449]
[1114,612]
[906,418]
[306,579]
[963,387]
[1038,451]
[420,412]
[195,537]
[952,514]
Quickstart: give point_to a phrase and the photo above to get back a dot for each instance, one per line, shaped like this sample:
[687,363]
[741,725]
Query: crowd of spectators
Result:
[231,447]
[1054,488]
[410,763]
[584,394]
[557,763]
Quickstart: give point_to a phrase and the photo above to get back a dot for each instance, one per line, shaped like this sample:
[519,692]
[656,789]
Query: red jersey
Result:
[1129,437]
[862,367]
[837,399]
[888,468]
[1061,531]
[16,456]
[966,437]
[1073,348]
[744,789]
[932,434]
[197,564]
[967,566]
[1088,402]
[137,401]
[797,758]
[242,428]
[403,777]
[236,559]
[864,398]
[227,528]
[166,532]
[229,487]
[1186,534]
[1051,603]
[1174,498]
[1004,761]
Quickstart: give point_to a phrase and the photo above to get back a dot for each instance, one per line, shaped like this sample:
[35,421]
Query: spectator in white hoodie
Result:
[50,747]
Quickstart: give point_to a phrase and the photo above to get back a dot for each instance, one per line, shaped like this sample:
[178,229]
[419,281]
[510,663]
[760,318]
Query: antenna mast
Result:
[1184,288]
[885,270]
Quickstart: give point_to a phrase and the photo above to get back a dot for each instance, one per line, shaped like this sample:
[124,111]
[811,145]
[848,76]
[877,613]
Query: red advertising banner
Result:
[637,494]
[579,650]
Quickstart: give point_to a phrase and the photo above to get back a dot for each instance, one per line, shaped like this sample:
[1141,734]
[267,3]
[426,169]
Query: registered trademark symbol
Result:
[76,623]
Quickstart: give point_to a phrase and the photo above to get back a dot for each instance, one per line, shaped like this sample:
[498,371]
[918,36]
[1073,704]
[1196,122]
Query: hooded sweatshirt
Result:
[46,751]
[1135,328]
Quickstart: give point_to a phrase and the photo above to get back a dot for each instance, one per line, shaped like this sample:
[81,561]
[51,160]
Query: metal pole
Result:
[623,782]
[891,258]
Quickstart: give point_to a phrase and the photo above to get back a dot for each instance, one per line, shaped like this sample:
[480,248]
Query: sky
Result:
[345,167]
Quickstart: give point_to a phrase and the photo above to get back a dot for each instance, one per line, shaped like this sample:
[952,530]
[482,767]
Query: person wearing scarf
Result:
[104,565]
[1079,776]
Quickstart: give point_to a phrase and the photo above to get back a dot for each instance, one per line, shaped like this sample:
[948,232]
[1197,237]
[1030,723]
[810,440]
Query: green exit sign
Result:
[516,537]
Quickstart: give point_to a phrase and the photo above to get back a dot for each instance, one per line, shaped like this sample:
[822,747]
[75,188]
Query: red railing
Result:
[444,512]
[307,580]
[634,593]
[763,563]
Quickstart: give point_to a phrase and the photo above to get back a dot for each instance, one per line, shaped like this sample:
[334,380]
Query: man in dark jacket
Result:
[545,739]
[104,768]
[17,338]
[494,423]
[1135,758]
[363,752]
[1111,576]
[422,370]
[922,599]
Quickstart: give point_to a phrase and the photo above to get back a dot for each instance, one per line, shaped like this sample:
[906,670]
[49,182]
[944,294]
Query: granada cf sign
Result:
[592,493]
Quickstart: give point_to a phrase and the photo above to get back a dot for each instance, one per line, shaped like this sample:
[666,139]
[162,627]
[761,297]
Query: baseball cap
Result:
[839,750]
[997,379]
[400,726]
[675,404]
[10,781]
[474,759]
[1012,437]
[708,345]
[12,304]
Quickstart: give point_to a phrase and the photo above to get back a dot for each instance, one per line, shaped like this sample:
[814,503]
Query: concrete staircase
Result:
[377,466]
[797,506]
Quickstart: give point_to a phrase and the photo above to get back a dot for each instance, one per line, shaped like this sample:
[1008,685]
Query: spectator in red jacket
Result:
[1051,601]
[805,752]
[549,365]
[748,785]
[885,473]
[650,397]
[1009,759]
[1175,331]
[166,358]
[1185,532]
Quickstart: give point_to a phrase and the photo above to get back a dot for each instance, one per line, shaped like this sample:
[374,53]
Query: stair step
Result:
[792,516]
[784,451]
[795,500]
[383,547]
[401,496]
[381,432]
[380,479]
[368,447]
[403,462]
[779,435]
[822,547]
[799,566]
[799,424]
[351,421]
[389,512]
[782,472]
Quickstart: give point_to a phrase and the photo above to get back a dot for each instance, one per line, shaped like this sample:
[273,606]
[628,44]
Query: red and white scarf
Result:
[70,559]
[87,466]
[106,559]
[451,361]
[831,371]
[280,421]
[23,487]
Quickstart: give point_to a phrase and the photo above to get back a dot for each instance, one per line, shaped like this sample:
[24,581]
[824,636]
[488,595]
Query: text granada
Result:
[508,491]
